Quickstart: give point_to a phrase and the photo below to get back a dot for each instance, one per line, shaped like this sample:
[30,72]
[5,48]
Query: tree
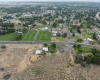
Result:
[78,46]
[79,40]
[78,59]
[18,37]
[73,34]
[83,64]
[45,45]
[64,35]
[55,24]
[94,36]
[53,45]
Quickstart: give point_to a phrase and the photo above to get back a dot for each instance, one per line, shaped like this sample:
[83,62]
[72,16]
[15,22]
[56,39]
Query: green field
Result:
[82,50]
[44,36]
[29,35]
[8,37]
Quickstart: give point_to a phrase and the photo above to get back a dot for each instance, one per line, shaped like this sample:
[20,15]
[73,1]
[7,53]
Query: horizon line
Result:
[50,1]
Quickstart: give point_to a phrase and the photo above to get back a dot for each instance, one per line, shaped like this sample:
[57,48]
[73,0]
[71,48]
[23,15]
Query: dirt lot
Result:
[16,58]
[15,62]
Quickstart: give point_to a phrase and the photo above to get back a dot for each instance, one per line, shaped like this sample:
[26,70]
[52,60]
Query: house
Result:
[20,33]
[45,28]
[54,33]
[45,49]
[89,39]
[29,26]
[38,52]
[98,37]
[75,22]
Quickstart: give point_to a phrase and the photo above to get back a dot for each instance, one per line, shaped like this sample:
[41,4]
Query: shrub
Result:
[83,64]
[3,47]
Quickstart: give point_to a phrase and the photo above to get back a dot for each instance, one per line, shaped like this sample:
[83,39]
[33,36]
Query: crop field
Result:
[8,37]
[44,36]
[29,35]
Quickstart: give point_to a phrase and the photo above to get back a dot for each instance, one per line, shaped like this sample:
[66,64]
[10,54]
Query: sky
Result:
[51,0]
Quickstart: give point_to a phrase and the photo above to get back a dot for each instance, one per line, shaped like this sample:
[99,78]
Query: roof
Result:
[38,52]
[45,48]
[54,32]
[89,39]
[99,36]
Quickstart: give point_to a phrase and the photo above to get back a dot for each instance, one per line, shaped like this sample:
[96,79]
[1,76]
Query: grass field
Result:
[8,37]
[44,36]
[29,35]
[82,50]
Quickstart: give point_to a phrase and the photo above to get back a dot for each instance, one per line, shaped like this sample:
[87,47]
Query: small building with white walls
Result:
[45,49]
[38,52]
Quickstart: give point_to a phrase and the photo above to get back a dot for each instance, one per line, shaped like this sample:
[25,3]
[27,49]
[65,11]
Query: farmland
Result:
[29,35]
[44,36]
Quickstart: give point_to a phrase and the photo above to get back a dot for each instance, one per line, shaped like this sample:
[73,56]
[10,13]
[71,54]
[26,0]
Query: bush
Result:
[83,64]
[64,35]
[45,45]
[78,59]
[51,50]
[53,45]
[37,71]
[3,47]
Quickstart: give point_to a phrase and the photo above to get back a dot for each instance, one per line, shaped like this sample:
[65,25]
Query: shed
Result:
[38,52]
[45,48]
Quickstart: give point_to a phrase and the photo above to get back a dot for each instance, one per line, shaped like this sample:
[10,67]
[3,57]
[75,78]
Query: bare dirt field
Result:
[16,58]
[15,64]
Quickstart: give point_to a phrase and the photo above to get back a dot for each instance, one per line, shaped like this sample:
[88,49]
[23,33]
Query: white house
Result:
[89,39]
[45,28]
[98,36]
[45,49]
[38,52]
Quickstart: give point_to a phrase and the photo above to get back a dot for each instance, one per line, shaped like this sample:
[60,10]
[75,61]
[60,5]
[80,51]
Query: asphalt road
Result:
[68,43]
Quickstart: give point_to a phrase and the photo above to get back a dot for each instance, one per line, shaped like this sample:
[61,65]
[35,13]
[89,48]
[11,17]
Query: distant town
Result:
[69,30]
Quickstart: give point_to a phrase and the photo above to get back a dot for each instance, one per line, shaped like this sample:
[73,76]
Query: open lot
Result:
[59,39]
[15,61]
[29,35]
[44,35]
[8,37]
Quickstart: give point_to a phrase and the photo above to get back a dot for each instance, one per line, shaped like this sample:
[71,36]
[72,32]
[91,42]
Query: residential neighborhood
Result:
[49,40]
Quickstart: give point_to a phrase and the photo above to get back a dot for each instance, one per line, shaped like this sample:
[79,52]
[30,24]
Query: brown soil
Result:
[20,62]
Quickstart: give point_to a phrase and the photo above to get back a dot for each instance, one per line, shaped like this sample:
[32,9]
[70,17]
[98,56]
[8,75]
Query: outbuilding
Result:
[38,52]
[45,49]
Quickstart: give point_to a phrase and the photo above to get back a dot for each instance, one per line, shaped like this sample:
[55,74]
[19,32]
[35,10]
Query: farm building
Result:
[38,52]
[45,49]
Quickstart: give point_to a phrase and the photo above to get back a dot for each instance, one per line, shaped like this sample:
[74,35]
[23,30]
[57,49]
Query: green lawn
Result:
[8,37]
[44,36]
[82,50]
[29,35]
[75,38]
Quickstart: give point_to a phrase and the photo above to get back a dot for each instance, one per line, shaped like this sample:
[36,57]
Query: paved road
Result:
[68,43]
[69,34]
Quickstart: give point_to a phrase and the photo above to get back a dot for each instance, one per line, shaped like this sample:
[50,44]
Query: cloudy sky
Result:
[50,0]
